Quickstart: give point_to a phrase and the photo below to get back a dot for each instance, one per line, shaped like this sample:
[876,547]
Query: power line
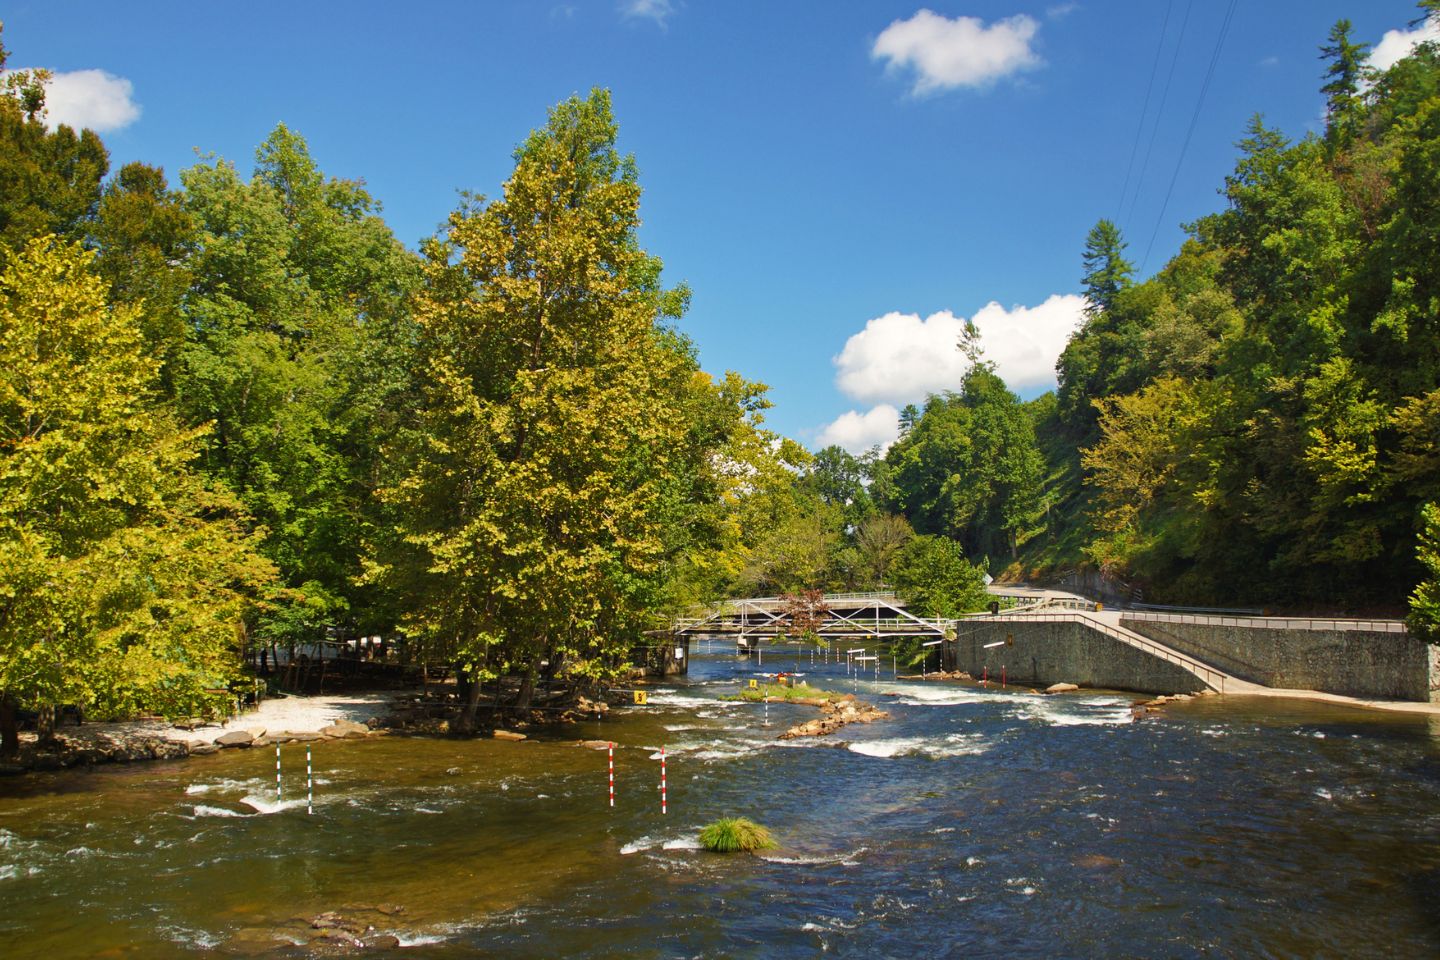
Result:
[1194,117]
[1164,98]
[1145,110]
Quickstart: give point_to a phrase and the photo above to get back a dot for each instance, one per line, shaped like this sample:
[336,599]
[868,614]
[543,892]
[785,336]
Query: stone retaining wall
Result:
[1059,652]
[1355,663]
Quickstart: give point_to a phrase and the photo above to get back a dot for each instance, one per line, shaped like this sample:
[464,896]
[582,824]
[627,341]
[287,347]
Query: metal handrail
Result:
[1272,623]
[1206,673]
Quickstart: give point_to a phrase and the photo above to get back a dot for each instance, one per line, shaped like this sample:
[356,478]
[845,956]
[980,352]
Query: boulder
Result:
[295,736]
[344,730]
[594,744]
[507,735]
[201,749]
[235,738]
[1061,688]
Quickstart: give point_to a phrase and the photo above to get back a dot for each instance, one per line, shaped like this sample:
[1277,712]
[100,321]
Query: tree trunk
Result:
[465,723]
[45,723]
[9,728]
[526,694]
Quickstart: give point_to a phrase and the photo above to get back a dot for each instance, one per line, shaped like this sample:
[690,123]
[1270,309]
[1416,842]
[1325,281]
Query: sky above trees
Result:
[841,184]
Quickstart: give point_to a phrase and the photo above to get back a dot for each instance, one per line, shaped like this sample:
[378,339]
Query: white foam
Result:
[198,788]
[684,843]
[671,698]
[204,810]
[651,843]
[420,939]
[1059,713]
[952,745]
[638,846]
[841,858]
[266,805]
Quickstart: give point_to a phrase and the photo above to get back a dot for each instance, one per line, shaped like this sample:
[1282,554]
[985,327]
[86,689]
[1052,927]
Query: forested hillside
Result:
[1258,423]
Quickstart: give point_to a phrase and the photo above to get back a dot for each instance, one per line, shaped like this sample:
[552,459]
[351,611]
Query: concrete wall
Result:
[1059,652]
[1356,663]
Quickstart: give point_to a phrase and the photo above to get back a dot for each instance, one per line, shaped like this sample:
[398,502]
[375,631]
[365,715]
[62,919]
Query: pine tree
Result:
[1107,272]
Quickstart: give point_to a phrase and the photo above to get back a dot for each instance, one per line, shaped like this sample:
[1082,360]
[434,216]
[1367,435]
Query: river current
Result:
[973,823]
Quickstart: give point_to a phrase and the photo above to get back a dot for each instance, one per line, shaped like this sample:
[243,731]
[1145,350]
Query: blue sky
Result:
[841,183]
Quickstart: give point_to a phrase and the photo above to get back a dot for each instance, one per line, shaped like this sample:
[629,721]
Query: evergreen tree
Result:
[1107,272]
[1344,77]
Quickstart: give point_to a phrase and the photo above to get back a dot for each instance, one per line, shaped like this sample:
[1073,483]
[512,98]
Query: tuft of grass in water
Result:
[730,834]
[775,691]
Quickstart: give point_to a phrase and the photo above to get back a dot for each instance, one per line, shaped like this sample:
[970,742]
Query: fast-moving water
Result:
[973,823]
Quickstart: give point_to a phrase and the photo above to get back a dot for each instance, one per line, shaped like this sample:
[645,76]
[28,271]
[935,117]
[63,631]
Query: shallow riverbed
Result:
[973,823]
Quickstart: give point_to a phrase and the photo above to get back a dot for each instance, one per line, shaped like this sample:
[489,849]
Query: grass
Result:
[775,691]
[730,834]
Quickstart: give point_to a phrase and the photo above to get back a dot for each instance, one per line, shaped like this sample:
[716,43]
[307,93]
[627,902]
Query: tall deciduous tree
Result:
[298,349]
[123,577]
[533,506]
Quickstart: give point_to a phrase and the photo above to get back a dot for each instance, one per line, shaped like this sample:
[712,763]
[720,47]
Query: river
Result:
[974,823]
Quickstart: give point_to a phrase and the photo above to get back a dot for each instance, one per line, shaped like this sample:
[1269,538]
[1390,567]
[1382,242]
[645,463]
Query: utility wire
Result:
[1194,117]
[1145,110]
[1160,113]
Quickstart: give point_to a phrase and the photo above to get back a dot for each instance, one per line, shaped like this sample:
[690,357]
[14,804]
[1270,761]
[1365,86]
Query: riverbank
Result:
[275,720]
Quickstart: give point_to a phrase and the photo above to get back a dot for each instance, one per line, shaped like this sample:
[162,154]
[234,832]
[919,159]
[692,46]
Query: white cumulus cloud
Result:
[963,52]
[858,432]
[90,98]
[657,10]
[899,358]
[1397,44]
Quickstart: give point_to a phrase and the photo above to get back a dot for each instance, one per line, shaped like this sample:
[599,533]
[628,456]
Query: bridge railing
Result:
[1272,623]
[1212,677]
[837,626]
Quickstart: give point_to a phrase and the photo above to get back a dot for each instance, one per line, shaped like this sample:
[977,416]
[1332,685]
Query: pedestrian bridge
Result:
[1047,636]
[882,616]
[837,616]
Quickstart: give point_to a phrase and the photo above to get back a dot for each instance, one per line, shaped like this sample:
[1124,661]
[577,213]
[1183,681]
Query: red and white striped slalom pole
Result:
[612,774]
[662,780]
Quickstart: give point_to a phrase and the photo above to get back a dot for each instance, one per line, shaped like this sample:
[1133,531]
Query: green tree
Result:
[1425,601]
[1344,78]
[1107,272]
[145,239]
[935,579]
[878,541]
[532,511]
[49,181]
[299,349]
[124,579]
[970,467]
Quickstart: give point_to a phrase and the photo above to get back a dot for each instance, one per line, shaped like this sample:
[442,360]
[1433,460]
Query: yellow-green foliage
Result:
[123,577]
